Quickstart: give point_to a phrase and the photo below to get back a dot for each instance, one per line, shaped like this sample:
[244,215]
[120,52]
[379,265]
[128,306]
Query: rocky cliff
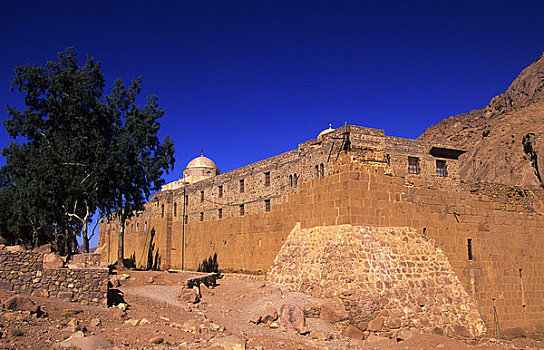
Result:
[505,139]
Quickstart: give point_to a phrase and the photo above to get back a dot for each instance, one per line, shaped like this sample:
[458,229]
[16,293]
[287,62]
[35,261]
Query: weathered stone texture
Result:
[23,272]
[382,275]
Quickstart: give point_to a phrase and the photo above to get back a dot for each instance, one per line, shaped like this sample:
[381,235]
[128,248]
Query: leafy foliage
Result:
[83,152]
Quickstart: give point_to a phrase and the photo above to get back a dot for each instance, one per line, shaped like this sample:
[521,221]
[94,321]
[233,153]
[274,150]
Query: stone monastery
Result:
[260,218]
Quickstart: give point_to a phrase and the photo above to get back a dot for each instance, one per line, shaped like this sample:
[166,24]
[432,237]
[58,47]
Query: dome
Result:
[201,162]
[324,132]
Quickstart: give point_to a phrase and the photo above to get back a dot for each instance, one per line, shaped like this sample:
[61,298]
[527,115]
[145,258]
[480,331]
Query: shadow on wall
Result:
[209,265]
[153,262]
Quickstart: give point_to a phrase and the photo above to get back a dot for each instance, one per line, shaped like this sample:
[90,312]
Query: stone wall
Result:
[23,272]
[390,273]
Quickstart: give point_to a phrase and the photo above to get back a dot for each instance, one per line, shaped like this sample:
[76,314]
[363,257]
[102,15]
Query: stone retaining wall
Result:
[23,272]
[389,274]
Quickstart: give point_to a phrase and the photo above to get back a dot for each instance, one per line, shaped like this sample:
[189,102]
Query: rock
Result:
[65,296]
[144,321]
[52,261]
[357,344]
[206,291]
[353,332]
[95,322]
[333,312]
[265,315]
[191,326]
[394,323]
[151,280]
[15,248]
[133,322]
[376,324]
[231,342]
[403,334]
[122,306]
[362,325]
[80,342]
[114,280]
[156,340]
[292,316]
[43,249]
[461,331]
[21,303]
[319,335]
[123,277]
[190,295]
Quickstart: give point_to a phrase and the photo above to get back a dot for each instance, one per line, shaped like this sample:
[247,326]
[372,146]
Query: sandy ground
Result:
[219,320]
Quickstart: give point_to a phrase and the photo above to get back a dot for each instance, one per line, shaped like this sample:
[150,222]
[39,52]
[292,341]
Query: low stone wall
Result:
[23,272]
[391,275]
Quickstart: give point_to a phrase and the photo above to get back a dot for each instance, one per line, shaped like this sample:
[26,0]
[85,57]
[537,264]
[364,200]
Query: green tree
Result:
[77,152]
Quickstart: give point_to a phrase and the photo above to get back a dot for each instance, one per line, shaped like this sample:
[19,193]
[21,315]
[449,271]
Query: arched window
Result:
[175,209]
[137,226]
[295,178]
[291,180]
[145,226]
[322,170]
[162,210]
[317,171]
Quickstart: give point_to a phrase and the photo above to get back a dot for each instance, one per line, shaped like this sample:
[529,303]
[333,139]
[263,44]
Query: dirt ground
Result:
[154,318]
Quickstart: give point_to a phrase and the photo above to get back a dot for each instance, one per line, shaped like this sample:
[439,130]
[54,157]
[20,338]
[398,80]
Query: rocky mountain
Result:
[504,140]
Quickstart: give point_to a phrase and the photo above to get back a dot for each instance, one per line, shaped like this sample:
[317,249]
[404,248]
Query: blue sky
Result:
[246,80]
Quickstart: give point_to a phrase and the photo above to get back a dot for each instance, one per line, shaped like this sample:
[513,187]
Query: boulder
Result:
[95,322]
[319,335]
[403,334]
[43,249]
[65,296]
[191,326]
[292,316]
[79,341]
[21,303]
[376,324]
[156,340]
[333,312]
[265,314]
[52,261]
[190,295]
[353,332]
[15,248]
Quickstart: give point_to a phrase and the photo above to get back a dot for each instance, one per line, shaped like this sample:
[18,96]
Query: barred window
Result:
[242,186]
[201,216]
[413,165]
[267,205]
[267,179]
[220,190]
[175,209]
[242,210]
[441,169]
[220,213]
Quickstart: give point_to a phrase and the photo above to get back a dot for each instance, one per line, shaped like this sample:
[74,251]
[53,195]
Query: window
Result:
[201,196]
[317,171]
[469,249]
[175,209]
[242,186]
[291,180]
[145,226]
[242,210]
[220,213]
[137,226]
[201,216]
[267,205]
[441,169]
[295,179]
[220,191]
[413,165]
[267,179]
[162,210]
[322,170]
[186,219]
[131,225]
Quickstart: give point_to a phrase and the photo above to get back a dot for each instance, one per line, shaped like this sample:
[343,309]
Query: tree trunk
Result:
[85,237]
[121,246]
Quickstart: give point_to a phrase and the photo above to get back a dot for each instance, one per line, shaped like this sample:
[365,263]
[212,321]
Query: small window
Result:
[469,249]
[290,180]
[175,209]
[295,179]
[317,171]
[162,210]
[267,179]
[220,213]
[413,165]
[145,226]
[186,219]
[441,169]
[201,196]
[321,170]
[267,205]
[201,216]
[242,210]
[220,189]
[131,226]
[242,186]
[137,226]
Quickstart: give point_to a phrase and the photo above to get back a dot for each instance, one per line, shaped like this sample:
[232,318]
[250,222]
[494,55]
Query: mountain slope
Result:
[505,139]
